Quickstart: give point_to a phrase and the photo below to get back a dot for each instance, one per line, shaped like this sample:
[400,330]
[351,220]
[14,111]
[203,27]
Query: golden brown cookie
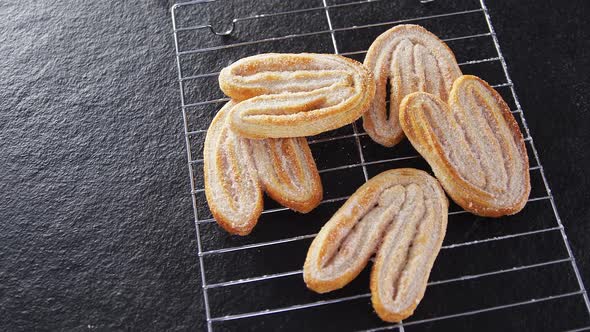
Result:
[295,95]
[473,144]
[288,173]
[237,170]
[411,59]
[402,215]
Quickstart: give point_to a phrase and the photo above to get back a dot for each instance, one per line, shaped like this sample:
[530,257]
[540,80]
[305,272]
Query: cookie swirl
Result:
[473,144]
[295,95]
[411,59]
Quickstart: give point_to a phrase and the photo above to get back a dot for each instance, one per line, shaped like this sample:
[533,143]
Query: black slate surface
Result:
[97,228]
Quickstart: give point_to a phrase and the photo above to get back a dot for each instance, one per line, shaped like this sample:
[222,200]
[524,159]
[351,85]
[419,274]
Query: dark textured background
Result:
[96,226]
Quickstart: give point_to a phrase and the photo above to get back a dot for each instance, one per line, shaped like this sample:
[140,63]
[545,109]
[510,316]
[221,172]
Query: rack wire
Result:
[233,268]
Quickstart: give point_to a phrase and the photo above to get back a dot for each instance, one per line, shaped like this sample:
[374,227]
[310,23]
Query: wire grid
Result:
[356,134]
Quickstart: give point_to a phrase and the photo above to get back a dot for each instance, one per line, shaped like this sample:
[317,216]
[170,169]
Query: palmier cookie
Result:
[412,59]
[402,215]
[237,170]
[473,144]
[293,95]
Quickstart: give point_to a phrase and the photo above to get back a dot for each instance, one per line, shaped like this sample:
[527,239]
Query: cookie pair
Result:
[257,144]
[459,124]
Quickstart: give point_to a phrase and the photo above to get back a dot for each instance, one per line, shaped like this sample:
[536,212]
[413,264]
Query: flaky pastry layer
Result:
[399,214]
[295,95]
[410,59]
[237,171]
[473,144]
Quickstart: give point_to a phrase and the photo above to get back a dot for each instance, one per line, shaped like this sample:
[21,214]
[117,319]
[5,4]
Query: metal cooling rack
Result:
[281,297]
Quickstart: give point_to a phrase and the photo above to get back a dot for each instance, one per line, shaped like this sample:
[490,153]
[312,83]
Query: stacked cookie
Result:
[458,123]
[256,142]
